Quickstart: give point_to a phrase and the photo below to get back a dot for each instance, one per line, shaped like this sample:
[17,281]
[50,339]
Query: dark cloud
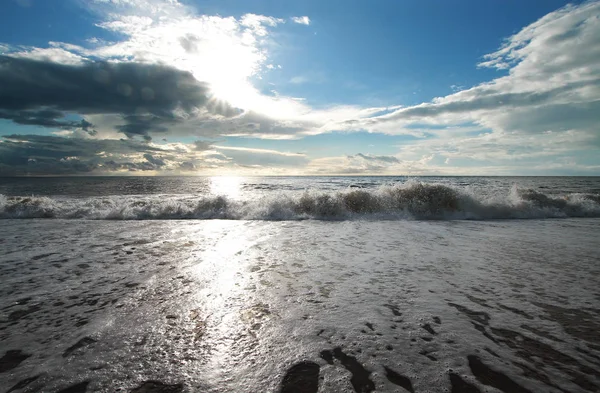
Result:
[44,155]
[202,145]
[187,166]
[154,160]
[47,118]
[150,97]
[146,123]
[29,155]
[251,122]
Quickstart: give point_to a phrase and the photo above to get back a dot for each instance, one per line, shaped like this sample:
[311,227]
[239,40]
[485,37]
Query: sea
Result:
[300,284]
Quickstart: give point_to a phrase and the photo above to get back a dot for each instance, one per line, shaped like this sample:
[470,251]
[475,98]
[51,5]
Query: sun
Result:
[238,94]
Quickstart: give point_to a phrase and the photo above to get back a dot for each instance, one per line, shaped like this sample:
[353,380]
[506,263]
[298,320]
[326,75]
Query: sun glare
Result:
[238,94]
[228,186]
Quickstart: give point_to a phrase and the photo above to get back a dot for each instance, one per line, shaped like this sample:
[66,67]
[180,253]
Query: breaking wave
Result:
[412,200]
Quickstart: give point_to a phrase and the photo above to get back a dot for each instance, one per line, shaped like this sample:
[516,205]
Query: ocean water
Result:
[300,284]
[293,198]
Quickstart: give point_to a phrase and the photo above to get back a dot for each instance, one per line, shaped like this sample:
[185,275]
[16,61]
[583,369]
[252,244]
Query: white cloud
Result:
[225,52]
[259,151]
[302,20]
[63,133]
[170,8]
[261,159]
[53,54]
[366,164]
[259,23]
[545,104]
[553,74]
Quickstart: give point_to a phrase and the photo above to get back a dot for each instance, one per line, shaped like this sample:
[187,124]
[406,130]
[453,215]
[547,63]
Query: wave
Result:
[412,200]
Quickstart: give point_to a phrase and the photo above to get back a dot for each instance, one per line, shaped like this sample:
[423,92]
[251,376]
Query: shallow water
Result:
[256,306]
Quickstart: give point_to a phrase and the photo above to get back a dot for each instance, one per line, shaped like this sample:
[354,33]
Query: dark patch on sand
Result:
[302,377]
[577,322]
[327,356]
[395,310]
[437,320]
[515,310]
[459,385]
[428,355]
[77,388]
[38,257]
[12,359]
[79,344]
[478,316]
[532,373]
[398,379]
[157,387]
[23,383]
[490,377]
[542,333]
[80,322]
[488,350]
[16,315]
[481,302]
[541,355]
[370,326]
[360,376]
[480,320]
[428,328]
[481,328]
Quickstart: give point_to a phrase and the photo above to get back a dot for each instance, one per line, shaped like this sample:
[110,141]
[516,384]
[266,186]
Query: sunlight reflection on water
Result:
[226,296]
[228,186]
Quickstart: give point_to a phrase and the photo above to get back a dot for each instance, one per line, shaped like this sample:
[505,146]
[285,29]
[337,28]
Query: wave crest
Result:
[412,200]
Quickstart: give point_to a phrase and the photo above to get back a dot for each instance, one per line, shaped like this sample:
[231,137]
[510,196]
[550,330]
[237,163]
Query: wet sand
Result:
[305,307]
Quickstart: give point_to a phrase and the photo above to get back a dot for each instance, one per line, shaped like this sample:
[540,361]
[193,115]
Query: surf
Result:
[411,200]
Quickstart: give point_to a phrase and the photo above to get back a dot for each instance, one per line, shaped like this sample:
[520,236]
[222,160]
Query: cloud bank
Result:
[548,104]
[178,74]
[148,97]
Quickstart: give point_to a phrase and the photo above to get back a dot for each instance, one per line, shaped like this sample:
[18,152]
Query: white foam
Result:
[230,306]
[412,200]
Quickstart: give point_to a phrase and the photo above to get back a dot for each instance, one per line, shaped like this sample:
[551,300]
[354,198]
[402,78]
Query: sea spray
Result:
[411,200]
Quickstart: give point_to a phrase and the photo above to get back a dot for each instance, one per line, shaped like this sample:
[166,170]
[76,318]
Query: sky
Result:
[312,87]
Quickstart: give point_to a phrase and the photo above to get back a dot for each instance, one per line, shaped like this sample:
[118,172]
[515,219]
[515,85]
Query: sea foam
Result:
[412,200]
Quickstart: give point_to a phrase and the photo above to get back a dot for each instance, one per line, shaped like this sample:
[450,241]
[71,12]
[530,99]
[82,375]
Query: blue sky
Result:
[310,87]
